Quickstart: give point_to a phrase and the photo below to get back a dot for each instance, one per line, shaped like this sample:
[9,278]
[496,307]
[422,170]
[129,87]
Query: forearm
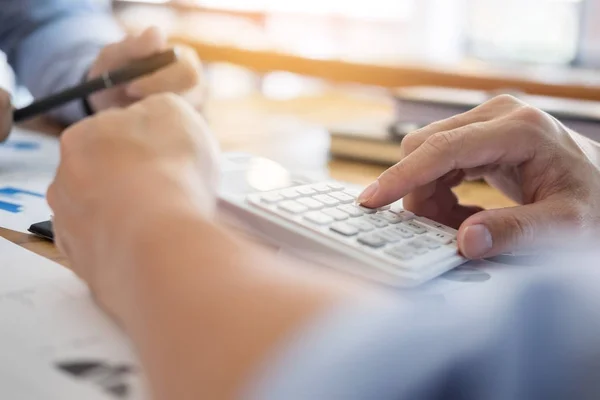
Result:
[210,308]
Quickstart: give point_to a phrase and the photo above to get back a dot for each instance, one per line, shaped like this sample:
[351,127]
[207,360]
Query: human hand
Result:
[120,171]
[525,153]
[6,115]
[183,77]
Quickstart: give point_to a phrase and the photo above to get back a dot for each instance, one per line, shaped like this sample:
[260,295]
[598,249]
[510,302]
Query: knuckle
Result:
[410,143]
[441,142]
[505,99]
[535,119]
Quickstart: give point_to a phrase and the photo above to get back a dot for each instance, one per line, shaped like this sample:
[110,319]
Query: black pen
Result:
[107,80]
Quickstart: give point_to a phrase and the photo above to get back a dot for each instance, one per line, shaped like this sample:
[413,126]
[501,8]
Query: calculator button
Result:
[371,240]
[271,198]
[290,194]
[327,200]
[321,188]
[389,236]
[344,229]
[312,204]
[306,191]
[353,192]
[390,217]
[401,253]
[413,226]
[441,237]
[429,242]
[405,215]
[293,207]
[336,214]
[318,218]
[367,210]
[351,210]
[375,220]
[403,232]
[335,186]
[342,197]
[361,224]
[435,225]
[418,247]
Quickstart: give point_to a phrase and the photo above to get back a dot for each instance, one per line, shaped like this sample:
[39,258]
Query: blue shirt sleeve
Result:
[540,342]
[51,44]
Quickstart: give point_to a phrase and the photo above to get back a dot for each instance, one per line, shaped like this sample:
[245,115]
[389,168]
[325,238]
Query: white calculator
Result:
[322,223]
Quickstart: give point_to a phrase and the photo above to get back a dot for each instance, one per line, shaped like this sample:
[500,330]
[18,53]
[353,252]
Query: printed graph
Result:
[14,200]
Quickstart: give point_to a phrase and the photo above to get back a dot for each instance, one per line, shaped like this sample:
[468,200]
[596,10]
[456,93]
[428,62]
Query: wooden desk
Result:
[288,131]
[242,41]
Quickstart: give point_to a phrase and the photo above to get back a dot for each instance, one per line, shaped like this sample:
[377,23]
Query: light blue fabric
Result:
[51,44]
[541,342]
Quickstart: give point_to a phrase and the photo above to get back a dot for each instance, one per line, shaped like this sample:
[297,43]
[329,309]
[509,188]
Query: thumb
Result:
[493,232]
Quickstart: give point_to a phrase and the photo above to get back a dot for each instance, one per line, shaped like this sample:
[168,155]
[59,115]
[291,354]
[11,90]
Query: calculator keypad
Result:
[391,234]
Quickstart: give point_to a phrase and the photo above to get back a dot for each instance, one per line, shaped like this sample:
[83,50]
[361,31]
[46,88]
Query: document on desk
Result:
[55,342]
[28,153]
[28,161]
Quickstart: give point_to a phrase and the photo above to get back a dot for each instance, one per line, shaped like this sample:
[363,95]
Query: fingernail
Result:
[368,193]
[476,241]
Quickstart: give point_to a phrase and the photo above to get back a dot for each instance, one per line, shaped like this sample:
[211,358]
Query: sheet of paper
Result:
[28,161]
[28,153]
[55,342]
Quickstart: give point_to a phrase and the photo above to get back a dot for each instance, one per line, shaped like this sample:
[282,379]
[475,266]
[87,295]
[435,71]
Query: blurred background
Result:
[295,66]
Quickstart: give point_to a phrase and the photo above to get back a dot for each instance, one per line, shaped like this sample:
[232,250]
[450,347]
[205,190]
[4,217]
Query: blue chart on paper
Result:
[20,145]
[13,206]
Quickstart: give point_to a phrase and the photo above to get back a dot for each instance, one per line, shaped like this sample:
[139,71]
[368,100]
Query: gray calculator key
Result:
[327,200]
[418,247]
[405,233]
[429,242]
[415,227]
[371,240]
[342,197]
[318,218]
[290,193]
[361,224]
[351,210]
[306,191]
[435,225]
[312,204]
[401,253]
[271,198]
[293,207]
[390,217]
[389,236]
[344,229]
[336,186]
[375,220]
[441,237]
[402,213]
[336,214]
[321,188]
